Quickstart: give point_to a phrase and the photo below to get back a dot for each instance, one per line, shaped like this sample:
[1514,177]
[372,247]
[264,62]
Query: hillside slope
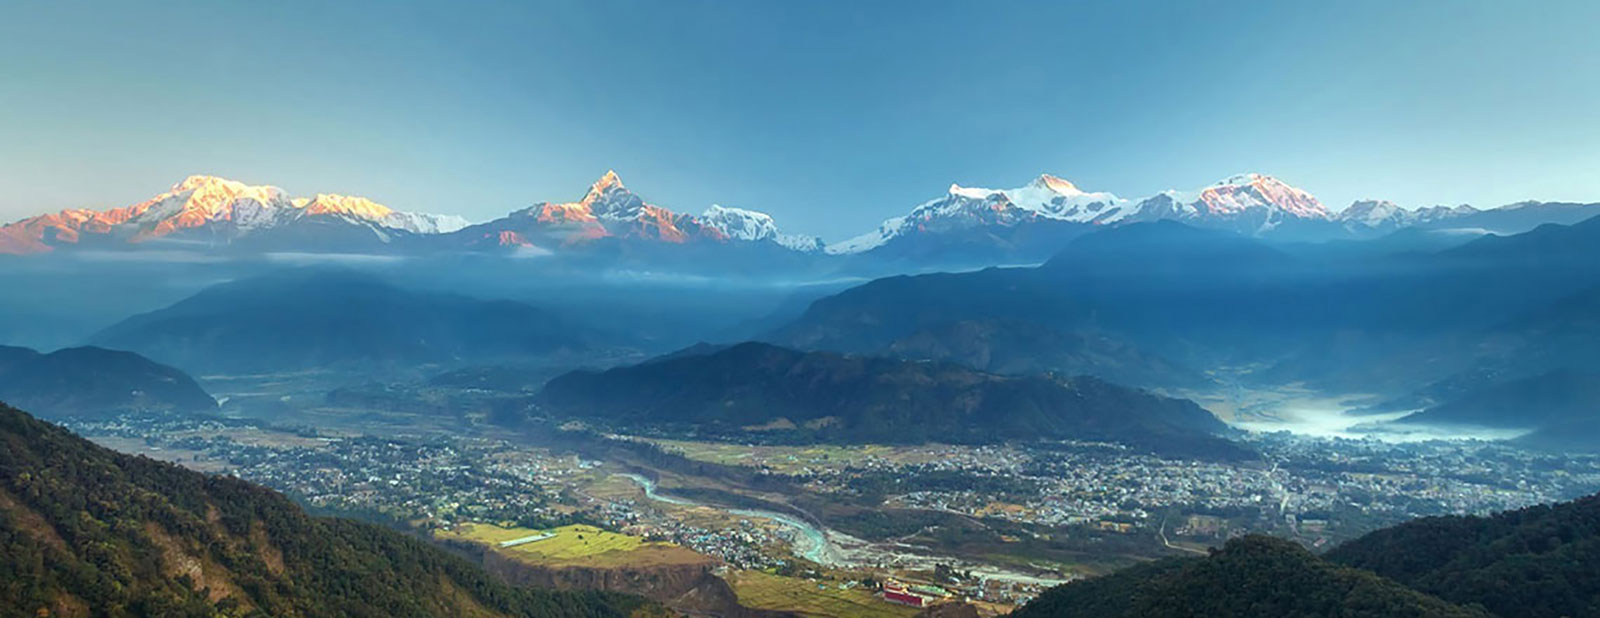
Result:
[756,387]
[320,317]
[1541,561]
[1560,409]
[87,531]
[90,380]
[1253,576]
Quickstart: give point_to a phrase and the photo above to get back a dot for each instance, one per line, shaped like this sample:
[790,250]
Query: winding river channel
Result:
[821,546]
[811,542]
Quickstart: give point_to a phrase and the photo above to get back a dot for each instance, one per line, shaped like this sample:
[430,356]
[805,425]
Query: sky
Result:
[831,115]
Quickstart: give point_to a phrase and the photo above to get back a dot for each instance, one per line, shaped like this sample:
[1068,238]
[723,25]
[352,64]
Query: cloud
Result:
[302,258]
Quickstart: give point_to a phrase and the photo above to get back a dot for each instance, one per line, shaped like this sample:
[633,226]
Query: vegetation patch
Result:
[574,545]
[812,598]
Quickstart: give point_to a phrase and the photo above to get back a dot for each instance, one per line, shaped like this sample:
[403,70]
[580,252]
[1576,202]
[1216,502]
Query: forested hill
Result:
[825,396]
[1254,576]
[88,531]
[1535,562]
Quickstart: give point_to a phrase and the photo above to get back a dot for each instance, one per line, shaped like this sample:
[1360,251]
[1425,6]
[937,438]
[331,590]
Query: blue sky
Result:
[830,115]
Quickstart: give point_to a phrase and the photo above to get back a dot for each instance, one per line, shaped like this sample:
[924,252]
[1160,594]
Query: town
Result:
[1317,491]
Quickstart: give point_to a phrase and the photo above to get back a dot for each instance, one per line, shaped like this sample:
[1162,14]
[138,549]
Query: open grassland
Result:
[766,591]
[575,545]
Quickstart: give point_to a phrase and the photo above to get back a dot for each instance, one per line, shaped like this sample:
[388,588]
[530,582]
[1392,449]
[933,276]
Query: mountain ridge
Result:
[322,316]
[756,388]
[976,225]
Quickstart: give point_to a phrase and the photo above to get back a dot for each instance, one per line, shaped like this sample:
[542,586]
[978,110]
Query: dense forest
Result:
[1535,562]
[771,391]
[1254,576]
[85,531]
[1538,562]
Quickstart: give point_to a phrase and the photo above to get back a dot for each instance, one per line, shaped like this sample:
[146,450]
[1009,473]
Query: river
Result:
[818,545]
[811,542]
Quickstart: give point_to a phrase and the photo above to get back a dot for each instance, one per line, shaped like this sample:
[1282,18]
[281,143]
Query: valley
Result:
[998,522]
[786,309]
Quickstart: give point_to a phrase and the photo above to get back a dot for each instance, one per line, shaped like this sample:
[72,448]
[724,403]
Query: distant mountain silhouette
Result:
[1561,408]
[1027,347]
[321,317]
[93,381]
[756,387]
[1337,319]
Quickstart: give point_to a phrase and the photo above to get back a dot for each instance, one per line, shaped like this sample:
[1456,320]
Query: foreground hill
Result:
[1253,576]
[1536,562]
[313,318]
[90,380]
[756,387]
[87,531]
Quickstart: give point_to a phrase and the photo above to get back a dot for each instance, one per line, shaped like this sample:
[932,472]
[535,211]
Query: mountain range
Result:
[1173,296]
[210,212]
[965,226]
[326,317]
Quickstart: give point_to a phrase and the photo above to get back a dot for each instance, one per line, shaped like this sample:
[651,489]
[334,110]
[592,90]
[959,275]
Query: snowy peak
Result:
[1057,198]
[1251,203]
[1243,192]
[1059,186]
[609,209]
[740,224]
[1045,197]
[609,184]
[357,208]
[751,226]
[226,209]
[333,204]
[970,192]
[1372,213]
[1383,215]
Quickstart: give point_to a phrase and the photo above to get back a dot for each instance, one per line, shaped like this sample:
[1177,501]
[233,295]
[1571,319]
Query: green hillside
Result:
[85,531]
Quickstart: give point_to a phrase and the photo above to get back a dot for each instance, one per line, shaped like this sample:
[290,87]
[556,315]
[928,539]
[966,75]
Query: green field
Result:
[575,545]
[765,591]
[794,458]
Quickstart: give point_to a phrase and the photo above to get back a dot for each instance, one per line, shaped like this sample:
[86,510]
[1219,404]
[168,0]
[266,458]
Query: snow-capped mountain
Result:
[962,208]
[752,226]
[966,226]
[216,211]
[608,210]
[1377,216]
[1248,203]
[363,209]
[1059,199]
[1374,214]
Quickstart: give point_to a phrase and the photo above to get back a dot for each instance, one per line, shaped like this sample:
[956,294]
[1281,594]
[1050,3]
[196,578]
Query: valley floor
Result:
[814,529]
